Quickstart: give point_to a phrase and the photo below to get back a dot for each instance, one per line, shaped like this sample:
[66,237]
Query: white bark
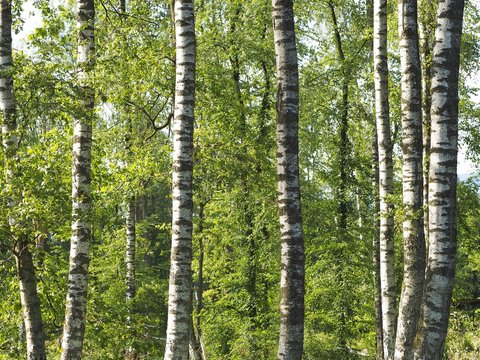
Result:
[292,274]
[376,250]
[426,27]
[442,181]
[413,235]
[74,326]
[31,311]
[130,252]
[180,293]
[386,175]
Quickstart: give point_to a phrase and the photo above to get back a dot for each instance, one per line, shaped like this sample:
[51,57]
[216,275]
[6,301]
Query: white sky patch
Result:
[465,167]
[32,20]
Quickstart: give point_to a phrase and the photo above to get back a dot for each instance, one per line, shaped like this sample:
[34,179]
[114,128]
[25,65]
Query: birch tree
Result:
[74,326]
[442,181]
[343,157]
[426,27]
[413,235]
[376,251]
[130,225]
[31,311]
[292,275]
[131,239]
[180,285]
[385,175]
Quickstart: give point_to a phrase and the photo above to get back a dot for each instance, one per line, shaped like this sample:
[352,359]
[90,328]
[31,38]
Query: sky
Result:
[33,20]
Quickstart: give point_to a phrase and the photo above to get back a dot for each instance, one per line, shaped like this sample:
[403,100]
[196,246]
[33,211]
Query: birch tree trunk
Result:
[426,26]
[413,235]
[199,291]
[130,291]
[376,223]
[32,316]
[386,175]
[180,287]
[74,326]
[31,311]
[442,181]
[376,250]
[292,275]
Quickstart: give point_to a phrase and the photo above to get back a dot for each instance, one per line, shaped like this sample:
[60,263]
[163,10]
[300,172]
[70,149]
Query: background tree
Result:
[32,316]
[385,149]
[412,182]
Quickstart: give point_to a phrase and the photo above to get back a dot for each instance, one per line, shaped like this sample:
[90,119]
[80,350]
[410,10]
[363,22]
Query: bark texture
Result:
[376,250]
[130,251]
[385,176]
[32,316]
[74,326]
[31,311]
[180,287]
[292,276]
[413,235]
[442,181]
[200,348]
[426,26]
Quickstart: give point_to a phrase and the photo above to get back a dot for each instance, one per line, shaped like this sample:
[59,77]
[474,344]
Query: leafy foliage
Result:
[236,222]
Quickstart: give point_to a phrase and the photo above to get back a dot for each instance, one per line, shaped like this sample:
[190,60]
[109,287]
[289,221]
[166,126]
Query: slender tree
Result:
[74,326]
[130,266]
[292,275]
[130,226]
[376,224]
[376,251]
[344,152]
[385,175]
[180,286]
[32,317]
[442,181]
[413,234]
[131,238]
[426,26]
[200,349]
